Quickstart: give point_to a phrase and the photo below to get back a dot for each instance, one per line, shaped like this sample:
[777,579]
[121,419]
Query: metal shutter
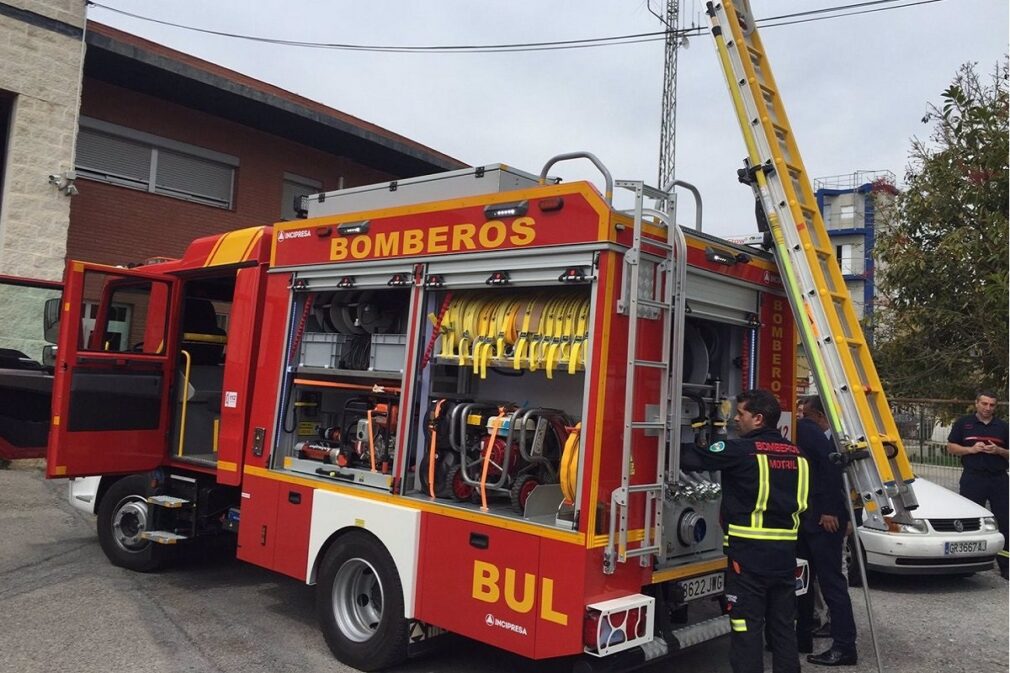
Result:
[110,158]
[188,176]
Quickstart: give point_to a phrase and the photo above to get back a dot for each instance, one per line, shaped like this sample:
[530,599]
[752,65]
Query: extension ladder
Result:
[863,426]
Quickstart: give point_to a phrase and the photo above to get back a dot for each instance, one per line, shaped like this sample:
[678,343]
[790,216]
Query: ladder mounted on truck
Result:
[655,278]
[862,424]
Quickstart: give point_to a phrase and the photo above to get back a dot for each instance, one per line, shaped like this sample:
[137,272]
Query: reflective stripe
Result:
[1002,552]
[802,488]
[764,486]
[738,624]
[755,533]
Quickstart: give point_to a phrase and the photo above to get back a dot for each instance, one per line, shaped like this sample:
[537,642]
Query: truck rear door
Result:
[114,368]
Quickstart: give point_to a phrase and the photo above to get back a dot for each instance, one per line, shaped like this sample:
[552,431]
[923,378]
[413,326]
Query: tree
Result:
[942,318]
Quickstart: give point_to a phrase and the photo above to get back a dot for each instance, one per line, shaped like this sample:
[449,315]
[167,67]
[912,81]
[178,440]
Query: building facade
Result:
[848,205]
[41,51]
[117,149]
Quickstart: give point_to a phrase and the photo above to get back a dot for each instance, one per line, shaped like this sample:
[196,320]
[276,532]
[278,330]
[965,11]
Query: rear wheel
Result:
[850,564]
[123,517]
[360,604]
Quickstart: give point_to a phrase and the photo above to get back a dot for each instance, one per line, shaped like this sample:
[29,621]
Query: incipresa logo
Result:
[298,233]
[495,622]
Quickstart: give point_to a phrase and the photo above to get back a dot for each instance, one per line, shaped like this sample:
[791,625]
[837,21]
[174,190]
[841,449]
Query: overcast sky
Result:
[855,88]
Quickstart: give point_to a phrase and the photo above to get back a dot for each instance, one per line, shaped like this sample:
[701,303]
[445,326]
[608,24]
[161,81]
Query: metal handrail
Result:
[185,399]
[609,195]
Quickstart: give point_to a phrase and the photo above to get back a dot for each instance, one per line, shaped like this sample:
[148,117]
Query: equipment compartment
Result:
[341,400]
[503,392]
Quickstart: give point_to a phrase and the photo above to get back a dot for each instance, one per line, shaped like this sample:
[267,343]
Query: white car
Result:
[950,535]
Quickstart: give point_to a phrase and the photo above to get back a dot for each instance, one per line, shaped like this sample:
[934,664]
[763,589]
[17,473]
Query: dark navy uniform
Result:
[822,548]
[985,474]
[764,483]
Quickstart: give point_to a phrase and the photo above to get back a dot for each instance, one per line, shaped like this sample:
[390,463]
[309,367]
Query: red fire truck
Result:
[446,401]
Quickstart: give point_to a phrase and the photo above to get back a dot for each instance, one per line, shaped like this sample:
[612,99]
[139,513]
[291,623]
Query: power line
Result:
[837,11]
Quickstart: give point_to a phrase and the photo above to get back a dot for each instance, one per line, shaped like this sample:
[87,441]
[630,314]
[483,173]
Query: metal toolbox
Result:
[388,353]
[322,350]
[452,184]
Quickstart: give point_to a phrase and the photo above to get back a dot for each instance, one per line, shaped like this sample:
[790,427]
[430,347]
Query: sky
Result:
[855,88]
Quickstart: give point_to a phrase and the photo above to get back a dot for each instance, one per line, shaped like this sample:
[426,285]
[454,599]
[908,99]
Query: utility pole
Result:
[668,122]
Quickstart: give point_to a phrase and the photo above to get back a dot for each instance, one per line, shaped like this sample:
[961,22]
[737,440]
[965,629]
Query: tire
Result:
[359,600]
[461,491]
[123,515]
[850,564]
[520,491]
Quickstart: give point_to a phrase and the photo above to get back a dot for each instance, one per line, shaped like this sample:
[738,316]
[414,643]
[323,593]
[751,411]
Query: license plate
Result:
[705,585]
[970,547]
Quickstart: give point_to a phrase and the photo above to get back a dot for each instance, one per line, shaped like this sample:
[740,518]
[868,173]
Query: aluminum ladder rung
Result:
[641,551]
[653,243]
[645,488]
[648,425]
[653,364]
[652,303]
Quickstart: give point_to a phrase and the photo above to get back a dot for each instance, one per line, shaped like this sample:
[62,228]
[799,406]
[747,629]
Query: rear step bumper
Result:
[657,650]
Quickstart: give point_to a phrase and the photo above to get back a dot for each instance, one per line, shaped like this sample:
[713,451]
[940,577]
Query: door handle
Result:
[294,497]
[479,540]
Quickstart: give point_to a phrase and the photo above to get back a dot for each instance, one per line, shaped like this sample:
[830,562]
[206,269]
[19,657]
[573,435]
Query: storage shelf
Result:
[350,373]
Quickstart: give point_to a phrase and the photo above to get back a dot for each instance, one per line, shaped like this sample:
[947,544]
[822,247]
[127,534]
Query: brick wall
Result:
[41,66]
[113,224]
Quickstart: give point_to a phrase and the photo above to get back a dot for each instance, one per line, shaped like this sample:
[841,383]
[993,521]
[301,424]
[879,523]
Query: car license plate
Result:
[957,548]
[706,585]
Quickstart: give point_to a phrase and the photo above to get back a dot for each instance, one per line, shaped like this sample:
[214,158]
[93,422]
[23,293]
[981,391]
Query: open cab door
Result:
[114,368]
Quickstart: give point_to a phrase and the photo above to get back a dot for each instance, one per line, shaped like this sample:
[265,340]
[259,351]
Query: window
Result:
[128,158]
[845,259]
[296,187]
[848,212]
[123,314]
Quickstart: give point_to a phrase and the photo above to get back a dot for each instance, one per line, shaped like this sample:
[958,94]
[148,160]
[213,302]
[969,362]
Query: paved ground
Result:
[64,608]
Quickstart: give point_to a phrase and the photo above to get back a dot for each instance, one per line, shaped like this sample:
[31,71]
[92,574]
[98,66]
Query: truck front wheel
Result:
[360,604]
[123,516]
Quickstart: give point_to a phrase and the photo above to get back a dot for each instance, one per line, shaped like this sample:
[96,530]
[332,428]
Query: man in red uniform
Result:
[764,491]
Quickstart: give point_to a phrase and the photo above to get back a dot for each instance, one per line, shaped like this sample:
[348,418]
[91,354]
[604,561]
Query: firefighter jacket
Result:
[765,482]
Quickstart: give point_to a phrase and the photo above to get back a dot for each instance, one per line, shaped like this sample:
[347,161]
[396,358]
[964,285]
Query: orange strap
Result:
[431,451]
[371,440]
[495,424]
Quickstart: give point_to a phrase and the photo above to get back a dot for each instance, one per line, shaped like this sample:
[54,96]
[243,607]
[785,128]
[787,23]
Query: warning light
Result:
[498,278]
[500,210]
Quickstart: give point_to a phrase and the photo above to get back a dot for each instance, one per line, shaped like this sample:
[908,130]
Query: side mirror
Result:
[49,356]
[51,319]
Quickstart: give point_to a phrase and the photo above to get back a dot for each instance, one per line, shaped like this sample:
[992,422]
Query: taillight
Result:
[599,632]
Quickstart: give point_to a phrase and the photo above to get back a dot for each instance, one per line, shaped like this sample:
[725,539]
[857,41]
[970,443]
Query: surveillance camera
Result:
[54,179]
[71,190]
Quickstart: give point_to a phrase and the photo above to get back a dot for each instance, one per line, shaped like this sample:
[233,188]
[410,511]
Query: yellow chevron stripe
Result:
[234,247]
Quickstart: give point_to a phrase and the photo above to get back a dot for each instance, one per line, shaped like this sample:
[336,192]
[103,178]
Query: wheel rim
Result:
[129,523]
[357,600]
[460,488]
[526,489]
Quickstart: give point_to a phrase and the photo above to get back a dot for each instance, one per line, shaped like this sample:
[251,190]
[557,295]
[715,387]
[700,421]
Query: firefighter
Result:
[981,441]
[764,481]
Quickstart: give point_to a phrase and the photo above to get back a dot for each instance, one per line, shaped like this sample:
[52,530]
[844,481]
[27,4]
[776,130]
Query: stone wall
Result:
[40,68]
